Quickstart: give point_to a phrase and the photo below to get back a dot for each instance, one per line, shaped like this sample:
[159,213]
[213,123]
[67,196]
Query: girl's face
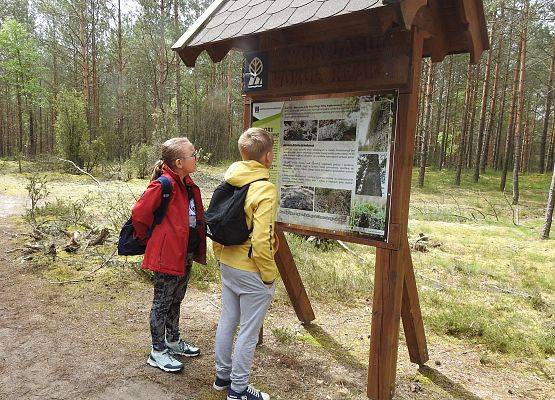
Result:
[187,164]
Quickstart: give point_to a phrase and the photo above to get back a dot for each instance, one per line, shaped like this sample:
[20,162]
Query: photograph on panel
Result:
[297,197]
[300,130]
[375,125]
[332,201]
[371,175]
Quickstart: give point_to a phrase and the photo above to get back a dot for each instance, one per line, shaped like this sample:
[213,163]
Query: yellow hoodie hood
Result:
[241,173]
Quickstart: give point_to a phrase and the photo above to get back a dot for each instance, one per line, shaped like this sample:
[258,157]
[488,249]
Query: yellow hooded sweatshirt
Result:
[260,210]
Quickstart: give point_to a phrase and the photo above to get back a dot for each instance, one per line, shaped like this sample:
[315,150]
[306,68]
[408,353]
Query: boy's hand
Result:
[269,284]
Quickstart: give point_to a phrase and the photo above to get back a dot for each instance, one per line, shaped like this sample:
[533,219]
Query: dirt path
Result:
[90,341]
[10,205]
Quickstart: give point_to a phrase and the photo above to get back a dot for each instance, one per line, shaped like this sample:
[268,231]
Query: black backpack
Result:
[225,218]
[130,246]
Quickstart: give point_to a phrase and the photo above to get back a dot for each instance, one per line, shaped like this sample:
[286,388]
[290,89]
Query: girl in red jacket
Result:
[171,248]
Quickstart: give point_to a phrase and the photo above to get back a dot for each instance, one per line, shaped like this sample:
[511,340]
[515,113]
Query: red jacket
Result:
[166,249]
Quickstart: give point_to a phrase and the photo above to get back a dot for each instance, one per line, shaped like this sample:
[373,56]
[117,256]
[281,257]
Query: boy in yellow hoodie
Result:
[248,270]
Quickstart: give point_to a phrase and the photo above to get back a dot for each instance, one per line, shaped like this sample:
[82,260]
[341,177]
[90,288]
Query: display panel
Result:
[332,161]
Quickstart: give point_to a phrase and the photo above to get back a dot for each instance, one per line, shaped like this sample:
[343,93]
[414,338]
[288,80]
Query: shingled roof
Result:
[234,18]
[226,22]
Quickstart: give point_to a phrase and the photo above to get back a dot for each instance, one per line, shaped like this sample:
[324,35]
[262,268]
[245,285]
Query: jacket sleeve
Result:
[263,242]
[142,213]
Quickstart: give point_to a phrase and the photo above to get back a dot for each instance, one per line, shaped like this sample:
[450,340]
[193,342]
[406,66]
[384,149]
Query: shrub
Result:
[142,158]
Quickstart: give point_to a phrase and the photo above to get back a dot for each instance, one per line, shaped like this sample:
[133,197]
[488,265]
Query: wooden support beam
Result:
[391,265]
[412,316]
[292,279]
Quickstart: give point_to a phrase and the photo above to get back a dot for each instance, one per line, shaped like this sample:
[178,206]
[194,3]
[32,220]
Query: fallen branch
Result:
[348,250]
[508,291]
[100,239]
[80,169]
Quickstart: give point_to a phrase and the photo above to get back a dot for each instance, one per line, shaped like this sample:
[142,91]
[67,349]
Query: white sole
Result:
[155,364]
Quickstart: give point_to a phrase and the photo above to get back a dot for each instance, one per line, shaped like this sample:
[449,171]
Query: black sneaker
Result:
[221,384]
[250,393]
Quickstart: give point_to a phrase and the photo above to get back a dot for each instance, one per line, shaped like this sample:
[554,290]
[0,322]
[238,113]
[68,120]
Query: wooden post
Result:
[412,317]
[292,279]
[391,265]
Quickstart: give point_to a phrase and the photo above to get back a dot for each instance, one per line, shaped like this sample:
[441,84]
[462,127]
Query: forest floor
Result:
[486,291]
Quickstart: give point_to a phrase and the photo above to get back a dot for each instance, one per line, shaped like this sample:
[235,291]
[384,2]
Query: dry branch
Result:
[80,169]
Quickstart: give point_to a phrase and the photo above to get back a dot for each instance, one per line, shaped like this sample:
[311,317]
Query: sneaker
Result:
[221,384]
[164,361]
[182,348]
[250,393]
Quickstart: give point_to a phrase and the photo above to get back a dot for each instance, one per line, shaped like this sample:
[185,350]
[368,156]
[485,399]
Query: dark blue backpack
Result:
[130,246]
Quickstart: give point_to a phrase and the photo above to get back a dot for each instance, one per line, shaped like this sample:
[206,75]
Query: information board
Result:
[332,161]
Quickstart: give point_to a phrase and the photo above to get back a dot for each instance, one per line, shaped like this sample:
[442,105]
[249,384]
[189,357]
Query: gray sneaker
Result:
[182,348]
[164,360]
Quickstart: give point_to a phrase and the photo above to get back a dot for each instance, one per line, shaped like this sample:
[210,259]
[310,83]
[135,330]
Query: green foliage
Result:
[284,335]
[19,59]
[94,153]
[367,215]
[37,190]
[142,158]
[71,128]
[71,213]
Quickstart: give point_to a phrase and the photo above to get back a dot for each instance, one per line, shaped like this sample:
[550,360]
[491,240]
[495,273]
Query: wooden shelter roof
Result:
[457,25]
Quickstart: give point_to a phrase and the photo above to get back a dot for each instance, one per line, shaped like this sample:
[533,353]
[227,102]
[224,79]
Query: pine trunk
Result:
[426,130]
[462,140]
[548,103]
[483,110]
[520,111]
[511,126]
[549,209]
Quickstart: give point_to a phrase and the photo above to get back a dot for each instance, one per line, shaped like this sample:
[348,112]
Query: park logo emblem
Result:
[255,72]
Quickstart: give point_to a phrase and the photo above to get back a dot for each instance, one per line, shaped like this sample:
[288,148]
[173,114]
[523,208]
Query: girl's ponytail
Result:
[157,170]
[171,150]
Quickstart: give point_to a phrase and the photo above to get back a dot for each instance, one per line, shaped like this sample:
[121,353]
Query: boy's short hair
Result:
[254,143]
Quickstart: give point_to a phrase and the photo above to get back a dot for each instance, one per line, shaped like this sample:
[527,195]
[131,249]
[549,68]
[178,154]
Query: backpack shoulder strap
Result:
[166,194]
[258,180]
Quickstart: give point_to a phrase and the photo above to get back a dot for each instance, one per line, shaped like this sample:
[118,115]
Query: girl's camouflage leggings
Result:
[169,291]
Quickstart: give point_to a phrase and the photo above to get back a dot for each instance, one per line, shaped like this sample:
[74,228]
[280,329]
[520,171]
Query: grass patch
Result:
[490,282]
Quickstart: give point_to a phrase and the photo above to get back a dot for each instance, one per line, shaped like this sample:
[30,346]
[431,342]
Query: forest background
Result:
[96,81]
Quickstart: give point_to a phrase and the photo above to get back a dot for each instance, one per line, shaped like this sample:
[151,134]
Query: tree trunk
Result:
[32,135]
[19,120]
[511,126]
[483,109]
[548,102]
[520,111]
[178,100]
[462,141]
[470,147]
[549,209]
[446,116]
[550,154]
[426,131]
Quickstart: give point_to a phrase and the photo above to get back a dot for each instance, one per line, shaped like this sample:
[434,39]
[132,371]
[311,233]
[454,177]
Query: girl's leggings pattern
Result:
[169,291]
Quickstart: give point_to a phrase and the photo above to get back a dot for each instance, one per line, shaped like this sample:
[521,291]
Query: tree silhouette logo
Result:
[256,73]
[256,67]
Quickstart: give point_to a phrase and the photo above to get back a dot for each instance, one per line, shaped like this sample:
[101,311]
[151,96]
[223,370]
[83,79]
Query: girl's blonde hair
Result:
[171,150]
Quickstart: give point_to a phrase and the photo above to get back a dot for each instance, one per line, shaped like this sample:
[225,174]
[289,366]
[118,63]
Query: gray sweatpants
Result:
[245,301]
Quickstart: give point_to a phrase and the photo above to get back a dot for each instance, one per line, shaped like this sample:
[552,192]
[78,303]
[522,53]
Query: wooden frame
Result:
[432,28]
